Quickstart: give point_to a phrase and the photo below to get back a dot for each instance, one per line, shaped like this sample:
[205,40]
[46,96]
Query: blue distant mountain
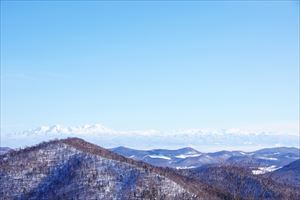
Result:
[4,150]
[268,159]
[289,174]
[75,169]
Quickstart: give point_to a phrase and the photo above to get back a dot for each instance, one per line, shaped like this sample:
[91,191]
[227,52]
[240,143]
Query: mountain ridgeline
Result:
[186,158]
[4,150]
[289,174]
[75,169]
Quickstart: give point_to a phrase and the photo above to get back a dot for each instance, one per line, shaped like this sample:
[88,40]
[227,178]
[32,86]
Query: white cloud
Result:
[285,127]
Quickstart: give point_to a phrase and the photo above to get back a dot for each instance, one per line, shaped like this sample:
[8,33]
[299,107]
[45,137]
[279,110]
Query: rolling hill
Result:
[261,161]
[289,174]
[75,169]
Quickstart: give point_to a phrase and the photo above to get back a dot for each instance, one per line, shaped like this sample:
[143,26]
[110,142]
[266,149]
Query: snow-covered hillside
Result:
[262,161]
[75,169]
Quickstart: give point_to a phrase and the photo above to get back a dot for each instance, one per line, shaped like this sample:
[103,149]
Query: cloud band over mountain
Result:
[201,139]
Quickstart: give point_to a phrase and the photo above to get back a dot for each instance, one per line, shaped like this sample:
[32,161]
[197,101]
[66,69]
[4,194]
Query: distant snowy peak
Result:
[202,139]
[101,129]
[59,129]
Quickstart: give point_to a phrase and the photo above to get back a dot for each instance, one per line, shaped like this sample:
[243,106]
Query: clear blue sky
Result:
[141,65]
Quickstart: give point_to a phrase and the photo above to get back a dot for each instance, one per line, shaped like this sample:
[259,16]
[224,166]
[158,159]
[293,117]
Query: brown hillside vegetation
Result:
[75,169]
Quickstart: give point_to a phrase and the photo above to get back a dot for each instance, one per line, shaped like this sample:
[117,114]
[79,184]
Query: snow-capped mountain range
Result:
[204,140]
[101,129]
